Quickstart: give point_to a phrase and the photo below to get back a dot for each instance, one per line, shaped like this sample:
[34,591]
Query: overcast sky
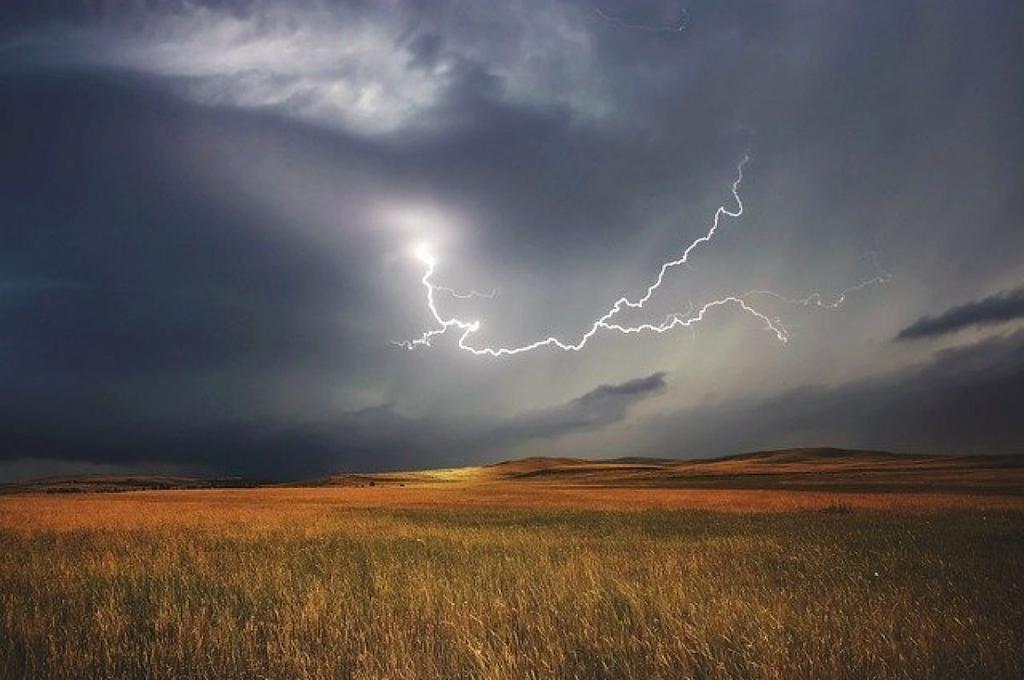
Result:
[210,216]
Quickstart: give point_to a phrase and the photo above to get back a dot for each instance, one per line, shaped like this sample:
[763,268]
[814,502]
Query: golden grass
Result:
[502,581]
[288,506]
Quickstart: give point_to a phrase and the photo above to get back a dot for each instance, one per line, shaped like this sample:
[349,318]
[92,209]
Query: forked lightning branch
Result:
[606,322]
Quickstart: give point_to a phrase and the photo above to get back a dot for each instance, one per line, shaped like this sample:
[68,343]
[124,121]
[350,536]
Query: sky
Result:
[223,224]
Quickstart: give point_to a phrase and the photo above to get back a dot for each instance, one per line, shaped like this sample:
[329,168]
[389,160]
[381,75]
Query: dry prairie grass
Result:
[442,583]
[297,506]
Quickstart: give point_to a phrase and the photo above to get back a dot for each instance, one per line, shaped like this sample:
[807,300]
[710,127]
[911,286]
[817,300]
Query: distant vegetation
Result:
[115,483]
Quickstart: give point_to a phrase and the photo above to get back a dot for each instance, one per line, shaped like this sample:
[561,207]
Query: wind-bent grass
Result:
[448,592]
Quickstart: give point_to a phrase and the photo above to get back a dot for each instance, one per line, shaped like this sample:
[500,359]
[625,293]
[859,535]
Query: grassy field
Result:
[510,582]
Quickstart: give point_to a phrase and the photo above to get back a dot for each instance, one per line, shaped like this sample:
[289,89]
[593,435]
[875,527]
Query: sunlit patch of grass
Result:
[509,593]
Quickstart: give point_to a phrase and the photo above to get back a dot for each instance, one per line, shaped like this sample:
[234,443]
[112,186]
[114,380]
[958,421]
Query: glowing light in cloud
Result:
[422,252]
[605,321]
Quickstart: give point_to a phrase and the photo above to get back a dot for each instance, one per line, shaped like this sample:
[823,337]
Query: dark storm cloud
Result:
[370,439]
[123,273]
[194,268]
[994,309]
[965,400]
[376,438]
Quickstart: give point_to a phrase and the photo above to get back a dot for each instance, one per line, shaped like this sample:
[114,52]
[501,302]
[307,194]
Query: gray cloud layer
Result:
[369,439]
[961,401]
[964,400]
[604,405]
[994,309]
[207,208]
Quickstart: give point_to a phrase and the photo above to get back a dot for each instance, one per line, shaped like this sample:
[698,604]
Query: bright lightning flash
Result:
[605,322]
[421,251]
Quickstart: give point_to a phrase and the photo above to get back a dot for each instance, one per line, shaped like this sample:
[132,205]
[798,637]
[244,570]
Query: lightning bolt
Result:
[468,295]
[678,28]
[605,322]
[818,300]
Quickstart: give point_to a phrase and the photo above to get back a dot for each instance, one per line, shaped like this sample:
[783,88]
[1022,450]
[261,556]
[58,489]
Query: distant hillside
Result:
[808,468]
[814,469]
[825,469]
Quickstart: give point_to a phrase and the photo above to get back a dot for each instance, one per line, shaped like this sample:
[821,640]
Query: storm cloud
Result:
[962,400]
[604,405]
[994,309]
[208,211]
[369,439]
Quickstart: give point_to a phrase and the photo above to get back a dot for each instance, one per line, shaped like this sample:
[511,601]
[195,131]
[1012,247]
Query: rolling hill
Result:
[797,469]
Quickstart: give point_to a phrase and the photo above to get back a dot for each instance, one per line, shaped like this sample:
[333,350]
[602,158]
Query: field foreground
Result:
[502,579]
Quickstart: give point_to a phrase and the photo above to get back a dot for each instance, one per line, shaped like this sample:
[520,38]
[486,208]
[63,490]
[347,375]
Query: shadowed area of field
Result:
[110,483]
